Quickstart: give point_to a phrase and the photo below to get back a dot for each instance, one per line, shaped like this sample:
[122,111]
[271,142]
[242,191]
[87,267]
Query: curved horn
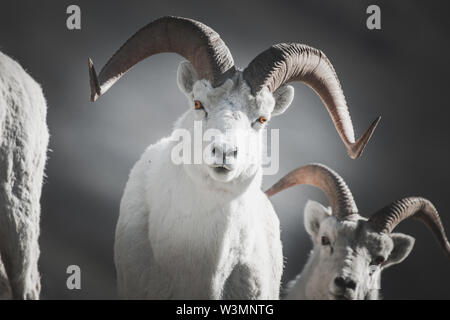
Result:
[283,63]
[191,39]
[338,194]
[386,219]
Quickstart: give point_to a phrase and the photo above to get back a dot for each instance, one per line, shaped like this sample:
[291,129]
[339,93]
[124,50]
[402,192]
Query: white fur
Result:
[353,247]
[188,232]
[23,148]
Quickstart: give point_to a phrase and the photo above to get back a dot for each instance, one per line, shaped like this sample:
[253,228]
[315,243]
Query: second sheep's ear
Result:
[314,214]
[186,77]
[403,244]
[283,99]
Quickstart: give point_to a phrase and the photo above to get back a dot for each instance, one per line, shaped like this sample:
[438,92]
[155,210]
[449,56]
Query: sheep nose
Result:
[342,283]
[224,153]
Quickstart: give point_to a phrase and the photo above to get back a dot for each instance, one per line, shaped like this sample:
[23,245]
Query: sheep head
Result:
[225,98]
[232,122]
[350,251]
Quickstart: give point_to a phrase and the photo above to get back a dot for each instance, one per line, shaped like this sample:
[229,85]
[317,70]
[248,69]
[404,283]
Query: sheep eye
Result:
[378,260]
[262,120]
[198,105]
[325,241]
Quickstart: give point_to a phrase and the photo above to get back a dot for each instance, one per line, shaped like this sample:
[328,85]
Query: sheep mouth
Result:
[221,169]
[221,173]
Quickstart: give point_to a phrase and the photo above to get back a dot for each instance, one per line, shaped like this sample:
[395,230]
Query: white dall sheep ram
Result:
[207,230]
[350,251]
[23,150]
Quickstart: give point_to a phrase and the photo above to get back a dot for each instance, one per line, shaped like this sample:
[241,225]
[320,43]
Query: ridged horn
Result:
[386,219]
[287,62]
[191,39]
[317,175]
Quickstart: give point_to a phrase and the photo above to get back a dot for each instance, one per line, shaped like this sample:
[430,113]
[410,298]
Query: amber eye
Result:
[325,241]
[262,120]
[378,260]
[197,105]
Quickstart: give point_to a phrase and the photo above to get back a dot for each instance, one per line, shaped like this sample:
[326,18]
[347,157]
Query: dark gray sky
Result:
[400,72]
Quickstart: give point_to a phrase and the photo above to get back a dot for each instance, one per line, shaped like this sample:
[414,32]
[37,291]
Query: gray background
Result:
[400,72]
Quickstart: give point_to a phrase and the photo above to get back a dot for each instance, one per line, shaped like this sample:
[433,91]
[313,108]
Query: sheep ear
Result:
[315,213]
[403,244]
[283,98]
[186,76]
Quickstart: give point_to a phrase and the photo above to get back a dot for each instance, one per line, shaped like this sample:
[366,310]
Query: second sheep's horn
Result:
[338,193]
[388,218]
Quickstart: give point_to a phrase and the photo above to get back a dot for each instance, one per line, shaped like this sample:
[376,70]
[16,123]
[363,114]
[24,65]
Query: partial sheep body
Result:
[350,251]
[23,149]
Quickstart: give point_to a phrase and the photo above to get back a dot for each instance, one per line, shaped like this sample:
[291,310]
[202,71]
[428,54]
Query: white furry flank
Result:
[23,148]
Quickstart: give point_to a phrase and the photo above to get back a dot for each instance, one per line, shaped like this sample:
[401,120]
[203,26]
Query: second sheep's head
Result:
[350,251]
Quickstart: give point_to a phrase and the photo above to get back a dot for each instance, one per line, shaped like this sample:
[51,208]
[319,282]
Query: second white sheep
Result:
[350,251]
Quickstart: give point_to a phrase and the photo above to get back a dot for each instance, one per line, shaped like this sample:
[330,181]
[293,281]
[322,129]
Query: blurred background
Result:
[400,72]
